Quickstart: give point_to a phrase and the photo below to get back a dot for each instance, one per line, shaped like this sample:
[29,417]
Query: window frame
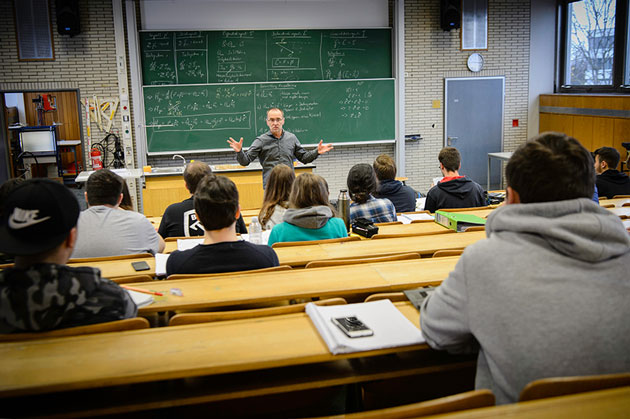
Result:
[619,50]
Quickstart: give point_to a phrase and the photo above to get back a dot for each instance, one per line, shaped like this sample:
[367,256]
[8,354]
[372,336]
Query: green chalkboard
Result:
[187,118]
[200,57]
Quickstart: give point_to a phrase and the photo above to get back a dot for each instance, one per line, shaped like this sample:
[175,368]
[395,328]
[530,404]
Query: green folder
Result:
[458,221]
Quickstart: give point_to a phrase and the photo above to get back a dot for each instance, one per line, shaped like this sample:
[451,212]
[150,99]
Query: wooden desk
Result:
[113,269]
[281,353]
[612,403]
[424,227]
[340,281]
[617,201]
[297,256]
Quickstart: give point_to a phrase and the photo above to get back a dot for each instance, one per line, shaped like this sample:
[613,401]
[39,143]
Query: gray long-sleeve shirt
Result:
[272,151]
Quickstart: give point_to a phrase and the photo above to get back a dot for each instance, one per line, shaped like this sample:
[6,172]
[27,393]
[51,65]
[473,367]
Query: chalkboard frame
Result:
[212,146]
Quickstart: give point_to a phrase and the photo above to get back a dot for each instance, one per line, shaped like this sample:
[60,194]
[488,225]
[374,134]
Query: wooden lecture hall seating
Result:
[215,357]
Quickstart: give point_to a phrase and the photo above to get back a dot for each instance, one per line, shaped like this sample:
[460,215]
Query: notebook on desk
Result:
[389,326]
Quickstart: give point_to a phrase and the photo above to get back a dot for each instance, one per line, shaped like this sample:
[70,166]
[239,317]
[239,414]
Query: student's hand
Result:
[237,146]
[323,148]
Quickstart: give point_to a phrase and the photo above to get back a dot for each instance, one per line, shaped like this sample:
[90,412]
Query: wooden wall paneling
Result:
[583,130]
[556,122]
[603,132]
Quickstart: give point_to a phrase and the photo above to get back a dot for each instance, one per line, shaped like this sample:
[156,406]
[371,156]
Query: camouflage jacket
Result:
[49,296]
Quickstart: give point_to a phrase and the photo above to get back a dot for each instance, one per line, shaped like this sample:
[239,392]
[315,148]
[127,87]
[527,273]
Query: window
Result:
[594,46]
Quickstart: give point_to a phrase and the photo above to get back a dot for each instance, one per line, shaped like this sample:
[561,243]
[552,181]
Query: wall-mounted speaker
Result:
[68,21]
[450,14]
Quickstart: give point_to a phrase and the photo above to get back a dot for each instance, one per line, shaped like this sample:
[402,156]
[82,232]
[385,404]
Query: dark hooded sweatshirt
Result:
[456,193]
[402,196]
[613,182]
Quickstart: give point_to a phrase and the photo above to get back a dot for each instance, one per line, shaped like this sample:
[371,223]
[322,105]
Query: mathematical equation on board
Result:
[202,117]
[199,57]
[216,107]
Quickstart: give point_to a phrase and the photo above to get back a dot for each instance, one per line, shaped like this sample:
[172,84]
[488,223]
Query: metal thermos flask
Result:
[343,207]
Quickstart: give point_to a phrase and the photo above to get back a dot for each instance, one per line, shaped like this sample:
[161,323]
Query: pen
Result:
[141,290]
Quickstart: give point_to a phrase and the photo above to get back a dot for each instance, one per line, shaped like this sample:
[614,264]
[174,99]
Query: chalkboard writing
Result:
[202,117]
[197,57]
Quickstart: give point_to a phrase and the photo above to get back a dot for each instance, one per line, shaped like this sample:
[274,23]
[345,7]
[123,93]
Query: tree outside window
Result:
[591,39]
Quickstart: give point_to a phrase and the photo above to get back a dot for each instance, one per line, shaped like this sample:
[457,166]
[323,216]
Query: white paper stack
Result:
[391,328]
[265,236]
[160,263]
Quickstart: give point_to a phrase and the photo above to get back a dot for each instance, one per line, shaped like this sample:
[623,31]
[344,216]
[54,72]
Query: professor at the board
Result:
[275,147]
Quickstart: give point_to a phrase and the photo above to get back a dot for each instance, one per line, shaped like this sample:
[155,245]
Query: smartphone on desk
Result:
[140,266]
[352,327]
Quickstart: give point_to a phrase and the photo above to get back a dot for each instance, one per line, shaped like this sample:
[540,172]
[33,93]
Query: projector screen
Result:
[38,141]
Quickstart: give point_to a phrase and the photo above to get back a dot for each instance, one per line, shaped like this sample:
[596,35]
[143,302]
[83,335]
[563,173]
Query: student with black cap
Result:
[41,293]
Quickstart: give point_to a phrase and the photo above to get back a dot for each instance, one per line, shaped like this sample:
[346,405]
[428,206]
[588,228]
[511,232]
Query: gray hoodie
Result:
[546,294]
[311,217]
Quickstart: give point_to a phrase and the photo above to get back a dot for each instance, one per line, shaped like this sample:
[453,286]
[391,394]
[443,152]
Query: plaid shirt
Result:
[377,210]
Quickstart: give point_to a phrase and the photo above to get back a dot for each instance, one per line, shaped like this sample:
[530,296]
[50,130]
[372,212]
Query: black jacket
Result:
[402,196]
[613,182]
[179,220]
[456,193]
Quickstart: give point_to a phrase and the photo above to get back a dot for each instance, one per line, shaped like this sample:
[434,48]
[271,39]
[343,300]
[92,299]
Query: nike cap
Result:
[37,217]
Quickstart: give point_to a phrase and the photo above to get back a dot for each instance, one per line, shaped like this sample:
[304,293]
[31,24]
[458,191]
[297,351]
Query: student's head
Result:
[384,167]
[104,187]
[40,219]
[361,182]
[606,158]
[279,184]
[450,159]
[308,190]
[216,202]
[550,167]
[6,188]
[193,173]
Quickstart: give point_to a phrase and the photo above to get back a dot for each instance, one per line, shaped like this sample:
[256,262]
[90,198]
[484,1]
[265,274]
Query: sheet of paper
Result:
[391,328]
[621,203]
[160,263]
[185,244]
[265,236]
[408,218]
[621,211]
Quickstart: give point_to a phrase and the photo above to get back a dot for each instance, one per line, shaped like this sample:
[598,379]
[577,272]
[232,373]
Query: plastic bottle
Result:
[343,207]
[255,231]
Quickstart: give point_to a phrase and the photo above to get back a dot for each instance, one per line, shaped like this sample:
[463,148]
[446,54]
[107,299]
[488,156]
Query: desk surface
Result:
[501,155]
[425,245]
[91,361]
[339,281]
[612,403]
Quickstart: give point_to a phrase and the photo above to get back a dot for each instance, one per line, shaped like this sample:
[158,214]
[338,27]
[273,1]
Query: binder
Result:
[458,221]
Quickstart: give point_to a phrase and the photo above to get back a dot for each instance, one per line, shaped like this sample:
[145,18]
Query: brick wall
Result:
[87,62]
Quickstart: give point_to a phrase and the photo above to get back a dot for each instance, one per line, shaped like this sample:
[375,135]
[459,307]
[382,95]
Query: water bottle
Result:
[343,207]
[255,231]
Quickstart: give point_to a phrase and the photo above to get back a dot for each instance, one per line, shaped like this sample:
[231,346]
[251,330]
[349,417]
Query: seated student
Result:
[402,196]
[179,219]
[41,293]
[610,182]
[310,216]
[546,294]
[276,199]
[216,205]
[453,191]
[106,230]
[362,184]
